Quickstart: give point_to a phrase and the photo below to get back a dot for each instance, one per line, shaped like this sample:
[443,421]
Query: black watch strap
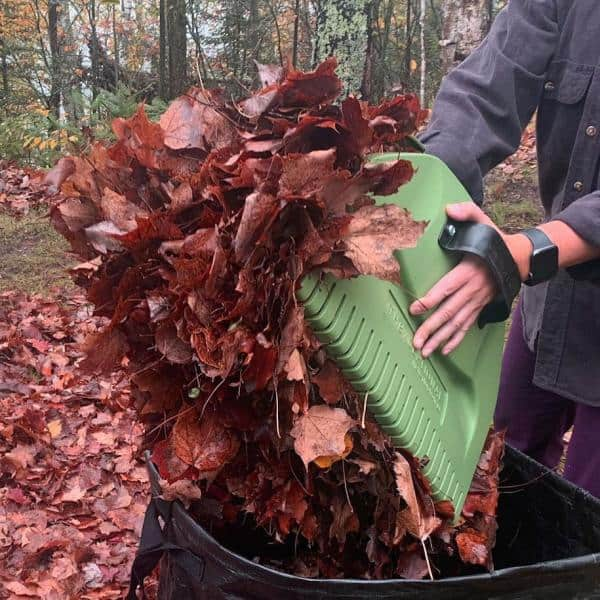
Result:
[543,264]
[486,243]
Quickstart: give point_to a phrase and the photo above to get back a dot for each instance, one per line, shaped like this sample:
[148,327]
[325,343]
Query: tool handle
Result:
[486,243]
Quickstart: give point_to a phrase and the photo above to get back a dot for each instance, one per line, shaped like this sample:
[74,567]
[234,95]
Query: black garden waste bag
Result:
[548,540]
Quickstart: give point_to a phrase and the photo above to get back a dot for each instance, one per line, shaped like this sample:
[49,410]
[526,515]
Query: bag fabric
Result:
[547,548]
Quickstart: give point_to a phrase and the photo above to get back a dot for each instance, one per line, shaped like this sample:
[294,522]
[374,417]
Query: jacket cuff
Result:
[583,217]
[464,167]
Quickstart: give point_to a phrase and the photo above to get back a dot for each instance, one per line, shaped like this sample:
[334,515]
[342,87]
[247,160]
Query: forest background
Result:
[70,66]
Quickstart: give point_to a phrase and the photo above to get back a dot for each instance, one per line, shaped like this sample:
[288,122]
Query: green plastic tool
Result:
[440,408]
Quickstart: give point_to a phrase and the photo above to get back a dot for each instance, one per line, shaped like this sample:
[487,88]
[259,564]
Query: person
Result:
[539,55]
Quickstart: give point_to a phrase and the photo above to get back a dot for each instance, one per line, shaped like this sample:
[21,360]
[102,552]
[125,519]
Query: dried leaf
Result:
[321,432]
[375,233]
[413,518]
[204,444]
[194,121]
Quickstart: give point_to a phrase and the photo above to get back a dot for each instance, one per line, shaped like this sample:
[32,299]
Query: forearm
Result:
[572,248]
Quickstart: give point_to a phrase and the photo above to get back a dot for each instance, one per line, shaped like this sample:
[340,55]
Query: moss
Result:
[342,32]
[33,256]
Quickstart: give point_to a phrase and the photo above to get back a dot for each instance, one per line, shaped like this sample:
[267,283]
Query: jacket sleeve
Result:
[485,103]
[583,217]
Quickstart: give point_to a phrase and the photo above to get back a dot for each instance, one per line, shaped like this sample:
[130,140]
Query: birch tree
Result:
[465,24]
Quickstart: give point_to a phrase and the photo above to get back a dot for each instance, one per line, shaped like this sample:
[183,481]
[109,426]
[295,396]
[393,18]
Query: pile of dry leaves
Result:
[197,231]
[20,188]
[72,495]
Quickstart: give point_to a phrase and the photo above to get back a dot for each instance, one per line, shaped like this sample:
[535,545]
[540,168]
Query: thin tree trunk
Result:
[5,89]
[295,38]
[366,87]
[94,48]
[163,59]
[54,103]
[116,44]
[176,28]
[408,51]
[423,52]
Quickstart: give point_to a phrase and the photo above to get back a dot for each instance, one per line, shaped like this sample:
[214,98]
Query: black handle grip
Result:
[486,243]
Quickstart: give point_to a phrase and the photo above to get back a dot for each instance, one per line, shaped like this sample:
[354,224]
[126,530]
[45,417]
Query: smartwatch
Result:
[543,264]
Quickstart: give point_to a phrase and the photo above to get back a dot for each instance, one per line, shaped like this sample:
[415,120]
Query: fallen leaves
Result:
[321,432]
[72,507]
[203,443]
[414,517]
[196,232]
[21,189]
[374,234]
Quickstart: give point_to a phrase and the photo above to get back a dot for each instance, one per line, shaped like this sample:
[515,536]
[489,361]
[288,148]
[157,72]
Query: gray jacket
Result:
[544,55]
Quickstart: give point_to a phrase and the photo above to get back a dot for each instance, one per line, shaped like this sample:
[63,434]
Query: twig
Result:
[427,560]
[277,412]
[346,486]
[364,413]
[210,398]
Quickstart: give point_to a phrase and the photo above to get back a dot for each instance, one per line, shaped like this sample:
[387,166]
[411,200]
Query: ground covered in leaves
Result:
[72,493]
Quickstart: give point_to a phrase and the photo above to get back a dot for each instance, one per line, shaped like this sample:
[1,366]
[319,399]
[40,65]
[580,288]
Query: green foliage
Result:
[33,136]
[122,102]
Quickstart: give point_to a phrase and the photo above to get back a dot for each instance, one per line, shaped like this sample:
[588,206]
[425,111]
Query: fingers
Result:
[440,320]
[460,322]
[458,299]
[445,287]
[468,211]
[459,336]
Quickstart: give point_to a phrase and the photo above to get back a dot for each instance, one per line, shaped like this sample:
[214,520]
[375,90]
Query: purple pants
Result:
[536,420]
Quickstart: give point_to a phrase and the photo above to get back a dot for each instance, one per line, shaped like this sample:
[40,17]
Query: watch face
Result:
[544,263]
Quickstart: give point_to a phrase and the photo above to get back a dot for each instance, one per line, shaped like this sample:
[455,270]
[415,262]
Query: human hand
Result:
[459,297]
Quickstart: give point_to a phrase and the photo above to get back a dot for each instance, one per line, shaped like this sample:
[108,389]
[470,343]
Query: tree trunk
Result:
[116,44]
[408,36]
[295,38]
[70,63]
[5,88]
[366,88]
[177,44]
[465,24]
[163,88]
[342,32]
[54,103]
[94,48]
[423,51]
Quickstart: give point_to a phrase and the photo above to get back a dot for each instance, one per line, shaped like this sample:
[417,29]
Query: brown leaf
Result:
[412,518]
[303,174]
[375,233]
[269,74]
[259,209]
[204,444]
[104,350]
[473,548]
[63,169]
[194,121]
[291,336]
[321,432]
[171,346]
[295,368]
[120,211]
[330,382]
[184,490]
